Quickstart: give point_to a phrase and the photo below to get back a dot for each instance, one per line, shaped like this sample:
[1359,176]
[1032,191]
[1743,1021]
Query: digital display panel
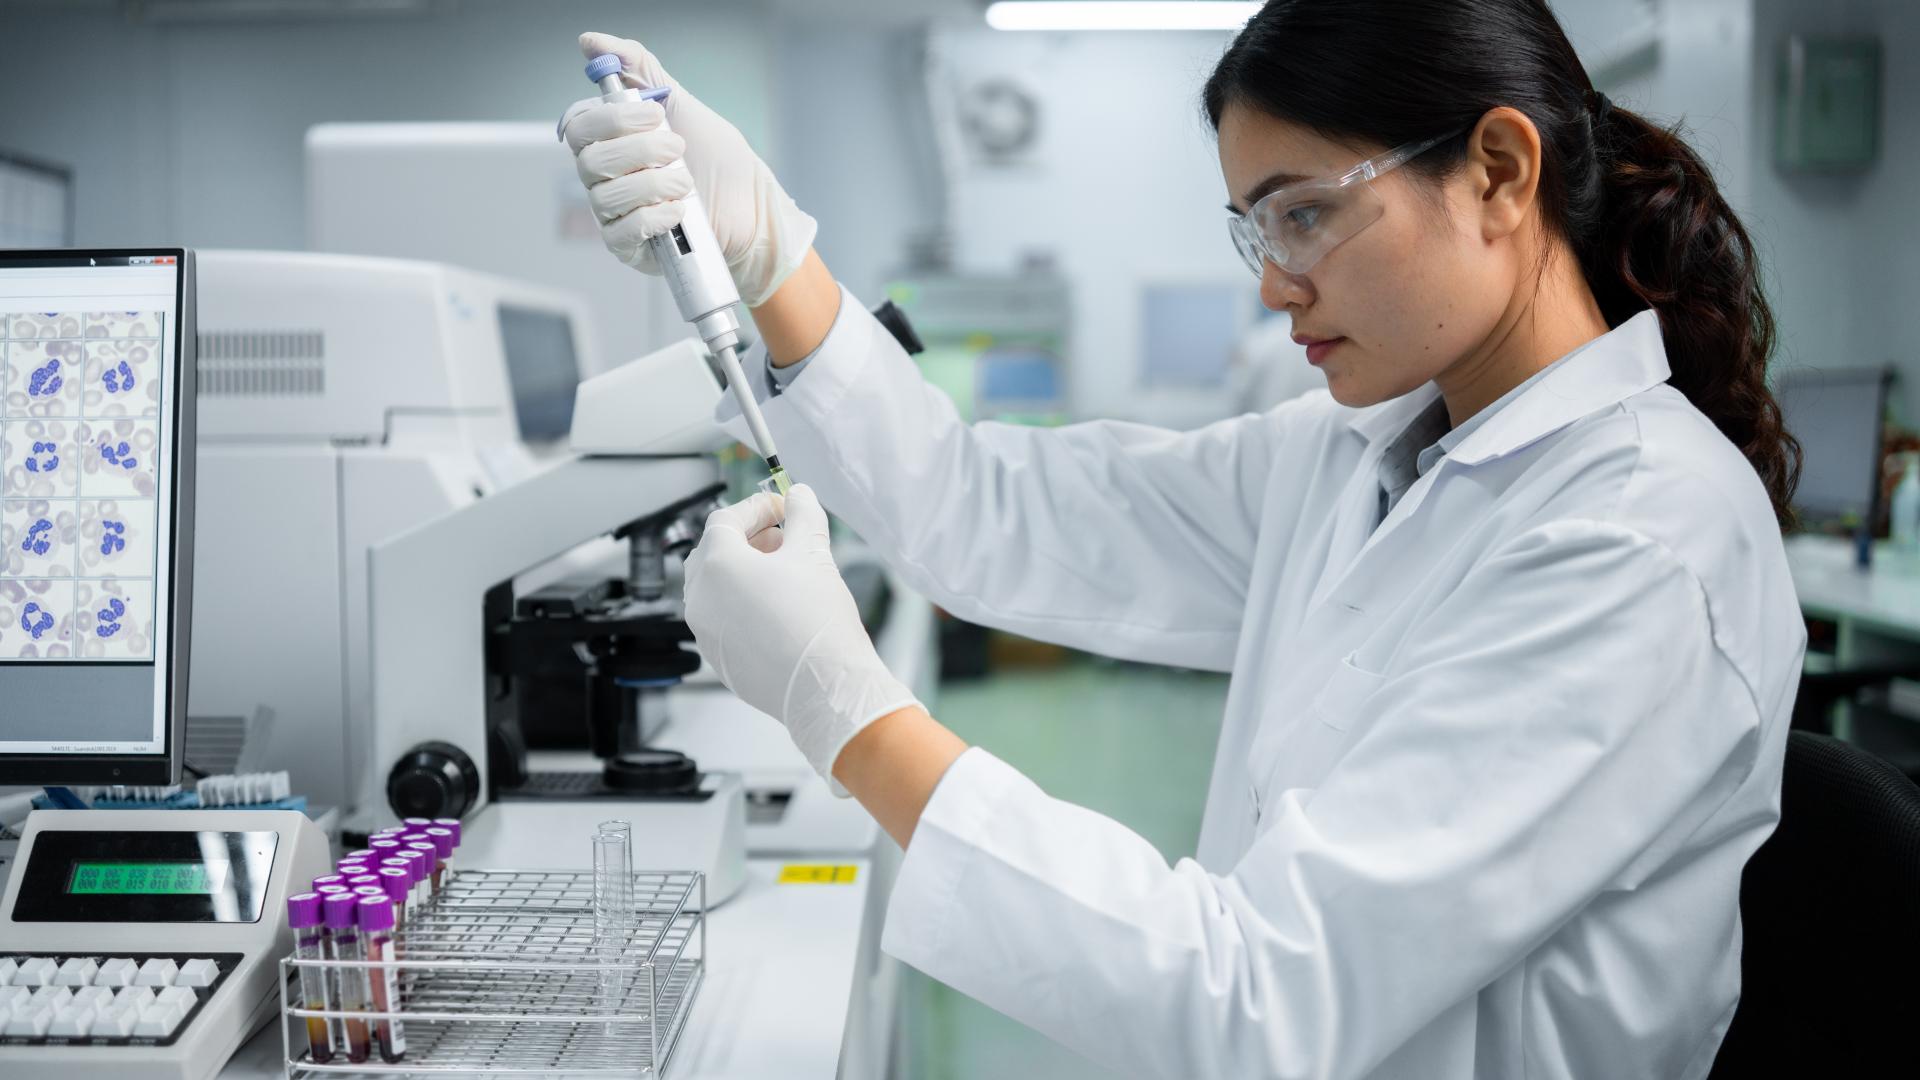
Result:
[147,878]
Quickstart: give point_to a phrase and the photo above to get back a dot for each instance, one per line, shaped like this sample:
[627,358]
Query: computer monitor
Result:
[96,513]
[1837,416]
[543,367]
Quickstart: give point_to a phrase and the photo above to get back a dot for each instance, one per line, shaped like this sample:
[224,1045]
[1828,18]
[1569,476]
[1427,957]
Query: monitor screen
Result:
[91,443]
[543,368]
[1836,416]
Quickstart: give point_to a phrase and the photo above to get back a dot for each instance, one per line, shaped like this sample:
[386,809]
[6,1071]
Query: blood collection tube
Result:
[329,890]
[329,879]
[398,881]
[420,864]
[376,928]
[385,845]
[432,852]
[452,825]
[349,983]
[442,841]
[303,916]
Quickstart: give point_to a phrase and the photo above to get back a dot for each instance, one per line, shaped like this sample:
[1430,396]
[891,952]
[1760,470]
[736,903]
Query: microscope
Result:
[485,624]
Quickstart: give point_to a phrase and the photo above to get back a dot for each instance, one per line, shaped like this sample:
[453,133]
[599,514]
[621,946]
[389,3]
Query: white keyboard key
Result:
[8,965]
[58,997]
[12,997]
[197,973]
[182,996]
[73,1022]
[159,1019]
[35,972]
[116,973]
[115,1023]
[136,997]
[76,971]
[158,971]
[29,1022]
[93,997]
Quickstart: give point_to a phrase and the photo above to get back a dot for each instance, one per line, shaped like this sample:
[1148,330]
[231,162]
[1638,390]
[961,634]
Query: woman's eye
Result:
[1303,218]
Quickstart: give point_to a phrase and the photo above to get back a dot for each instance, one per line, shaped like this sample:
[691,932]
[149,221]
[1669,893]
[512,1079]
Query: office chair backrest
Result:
[1830,905]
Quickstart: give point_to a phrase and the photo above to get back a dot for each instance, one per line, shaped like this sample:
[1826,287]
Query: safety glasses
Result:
[1295,225]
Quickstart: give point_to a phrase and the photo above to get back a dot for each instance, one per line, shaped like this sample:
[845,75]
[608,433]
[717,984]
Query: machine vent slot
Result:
[263,363]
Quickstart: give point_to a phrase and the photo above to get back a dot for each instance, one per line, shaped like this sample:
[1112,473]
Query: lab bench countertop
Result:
[782,961]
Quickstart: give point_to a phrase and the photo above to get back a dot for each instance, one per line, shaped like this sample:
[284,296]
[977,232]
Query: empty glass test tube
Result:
[612,914]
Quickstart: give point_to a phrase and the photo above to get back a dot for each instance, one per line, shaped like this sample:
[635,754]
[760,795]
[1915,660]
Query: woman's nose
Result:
[1279,289]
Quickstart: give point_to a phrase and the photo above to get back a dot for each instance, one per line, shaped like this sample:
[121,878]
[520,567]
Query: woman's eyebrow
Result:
[1266,187]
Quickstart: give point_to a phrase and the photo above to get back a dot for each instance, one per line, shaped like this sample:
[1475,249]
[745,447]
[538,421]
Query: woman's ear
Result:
[1503,169]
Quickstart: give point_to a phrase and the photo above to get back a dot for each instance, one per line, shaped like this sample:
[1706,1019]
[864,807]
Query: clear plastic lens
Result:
[1294,226]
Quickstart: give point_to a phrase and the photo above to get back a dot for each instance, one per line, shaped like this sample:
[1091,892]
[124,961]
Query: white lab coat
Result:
[1488,774]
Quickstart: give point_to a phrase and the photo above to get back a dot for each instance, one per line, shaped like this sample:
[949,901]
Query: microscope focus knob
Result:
[434,779]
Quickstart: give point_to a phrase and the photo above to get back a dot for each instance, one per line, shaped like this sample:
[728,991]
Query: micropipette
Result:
[696,272]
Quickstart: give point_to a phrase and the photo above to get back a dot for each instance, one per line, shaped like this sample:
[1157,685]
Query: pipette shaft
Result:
[696,271]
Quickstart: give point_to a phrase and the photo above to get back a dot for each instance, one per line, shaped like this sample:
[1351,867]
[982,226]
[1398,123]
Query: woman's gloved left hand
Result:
[771,614]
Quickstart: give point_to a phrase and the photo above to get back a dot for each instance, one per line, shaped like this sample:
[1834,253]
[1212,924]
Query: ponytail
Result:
[1661,236]
[1638,207]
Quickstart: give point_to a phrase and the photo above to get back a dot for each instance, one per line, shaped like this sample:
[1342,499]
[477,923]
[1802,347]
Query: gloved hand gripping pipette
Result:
[696,271]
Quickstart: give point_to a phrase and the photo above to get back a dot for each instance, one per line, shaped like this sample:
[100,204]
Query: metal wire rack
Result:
[501,974]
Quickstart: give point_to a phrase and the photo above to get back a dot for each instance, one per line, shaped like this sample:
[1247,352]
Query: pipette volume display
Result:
[696,271]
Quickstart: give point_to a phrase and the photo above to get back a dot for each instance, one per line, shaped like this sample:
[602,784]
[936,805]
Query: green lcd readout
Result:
[146,879]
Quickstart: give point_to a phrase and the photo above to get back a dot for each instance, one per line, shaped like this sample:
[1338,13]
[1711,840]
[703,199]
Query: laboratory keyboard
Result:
[127,999]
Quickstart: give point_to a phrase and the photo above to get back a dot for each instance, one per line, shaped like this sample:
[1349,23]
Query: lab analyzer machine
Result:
[131,943]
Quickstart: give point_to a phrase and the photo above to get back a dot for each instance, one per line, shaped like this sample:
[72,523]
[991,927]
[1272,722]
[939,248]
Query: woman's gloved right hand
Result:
[622,152]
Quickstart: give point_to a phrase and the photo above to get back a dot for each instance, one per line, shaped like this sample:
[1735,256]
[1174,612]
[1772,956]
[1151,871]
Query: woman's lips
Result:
[1317,350]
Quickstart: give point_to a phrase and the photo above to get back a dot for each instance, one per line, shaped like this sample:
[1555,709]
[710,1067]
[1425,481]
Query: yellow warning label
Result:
[817,874]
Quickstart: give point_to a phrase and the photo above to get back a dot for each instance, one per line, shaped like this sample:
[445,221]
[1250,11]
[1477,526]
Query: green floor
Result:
[1135,743]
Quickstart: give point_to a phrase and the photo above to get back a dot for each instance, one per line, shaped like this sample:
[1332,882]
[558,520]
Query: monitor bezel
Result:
[163,767]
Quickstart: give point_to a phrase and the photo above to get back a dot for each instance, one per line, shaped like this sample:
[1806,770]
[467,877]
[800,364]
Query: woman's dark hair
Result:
[1636,204]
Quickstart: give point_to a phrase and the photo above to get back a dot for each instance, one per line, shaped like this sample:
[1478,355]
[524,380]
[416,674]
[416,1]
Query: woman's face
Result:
[1402,300]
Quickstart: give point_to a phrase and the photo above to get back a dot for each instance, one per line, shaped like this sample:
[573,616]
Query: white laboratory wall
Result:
[191,132]
[1122,188]
[1843,251]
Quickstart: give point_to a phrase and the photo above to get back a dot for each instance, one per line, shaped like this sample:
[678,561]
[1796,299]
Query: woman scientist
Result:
[1512,638]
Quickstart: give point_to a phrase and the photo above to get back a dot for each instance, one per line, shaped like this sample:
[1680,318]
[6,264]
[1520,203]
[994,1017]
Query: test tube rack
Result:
[501,975]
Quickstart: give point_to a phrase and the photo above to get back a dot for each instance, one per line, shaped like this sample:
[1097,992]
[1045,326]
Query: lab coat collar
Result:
[1625,361]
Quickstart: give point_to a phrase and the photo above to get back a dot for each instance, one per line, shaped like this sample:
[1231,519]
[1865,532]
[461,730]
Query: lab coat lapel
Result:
[1354,530]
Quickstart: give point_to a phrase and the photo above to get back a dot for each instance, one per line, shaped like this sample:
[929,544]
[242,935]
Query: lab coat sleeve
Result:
[1116,538]
[1563,723]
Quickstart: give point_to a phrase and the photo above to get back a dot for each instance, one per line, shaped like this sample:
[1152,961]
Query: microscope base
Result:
[708,835]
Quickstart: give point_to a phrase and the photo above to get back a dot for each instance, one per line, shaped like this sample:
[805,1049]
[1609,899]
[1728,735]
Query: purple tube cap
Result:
[424,847]
[339,909]
[397,881]
[419,864]
[363,853]
[384,844]
[452,825]
[364,878]
[376,913]
[329,890]
[442,841]
[303,910]
[370,890]
[416,822]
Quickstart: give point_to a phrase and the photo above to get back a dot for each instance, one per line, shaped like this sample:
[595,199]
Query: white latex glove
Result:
[770,613]
[619,148]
